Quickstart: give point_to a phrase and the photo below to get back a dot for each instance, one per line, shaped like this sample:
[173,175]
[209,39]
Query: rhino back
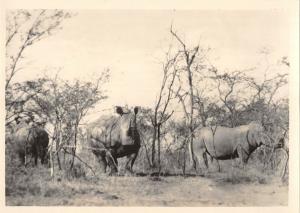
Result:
[223,141]
[104,130]
[20,138]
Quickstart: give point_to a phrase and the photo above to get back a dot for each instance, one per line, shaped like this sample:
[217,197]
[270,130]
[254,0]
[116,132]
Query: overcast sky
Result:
[131,44]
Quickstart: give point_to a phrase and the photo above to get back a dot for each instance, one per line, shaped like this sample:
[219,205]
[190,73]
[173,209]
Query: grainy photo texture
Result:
[146,108]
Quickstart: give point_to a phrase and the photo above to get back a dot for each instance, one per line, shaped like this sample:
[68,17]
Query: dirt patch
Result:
[157,191]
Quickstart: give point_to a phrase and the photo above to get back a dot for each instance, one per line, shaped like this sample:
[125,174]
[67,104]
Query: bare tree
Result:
[24,28]
[160,112]
[81,97]
[227,86]
[265,90]
[192,61]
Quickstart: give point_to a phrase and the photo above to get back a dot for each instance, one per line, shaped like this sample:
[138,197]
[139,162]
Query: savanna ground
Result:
[232,186]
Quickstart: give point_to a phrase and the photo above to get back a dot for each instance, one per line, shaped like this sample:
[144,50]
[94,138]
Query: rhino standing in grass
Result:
[31,141]
[114,138]
[223,143]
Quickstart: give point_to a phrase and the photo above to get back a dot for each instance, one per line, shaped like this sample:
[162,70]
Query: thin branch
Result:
[80,161]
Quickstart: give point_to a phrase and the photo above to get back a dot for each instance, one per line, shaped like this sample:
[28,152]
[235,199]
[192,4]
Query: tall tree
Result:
[25,28]
[192,61]
[161,113]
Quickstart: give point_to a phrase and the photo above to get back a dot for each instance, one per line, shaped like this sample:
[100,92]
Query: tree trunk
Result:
[75,145]
[58,142]
[153,146]
[191,121]
[51,161]
[232,117]
[203,121]
[64,162]
[158,147]
[184,159]
[213,143]
[58,161]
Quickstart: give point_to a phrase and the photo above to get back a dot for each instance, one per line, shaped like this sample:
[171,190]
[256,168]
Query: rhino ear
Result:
[136,110]
[119,110]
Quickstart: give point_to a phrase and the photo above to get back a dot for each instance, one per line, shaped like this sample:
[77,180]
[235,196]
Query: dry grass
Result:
[232,186]
[214,189]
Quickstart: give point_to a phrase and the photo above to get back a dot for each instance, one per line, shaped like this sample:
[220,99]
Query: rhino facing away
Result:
[113,138]
[223,143]
[31,140]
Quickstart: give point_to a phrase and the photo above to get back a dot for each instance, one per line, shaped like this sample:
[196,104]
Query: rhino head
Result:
[128,124]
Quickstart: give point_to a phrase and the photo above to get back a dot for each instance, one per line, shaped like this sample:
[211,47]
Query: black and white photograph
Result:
[148,107]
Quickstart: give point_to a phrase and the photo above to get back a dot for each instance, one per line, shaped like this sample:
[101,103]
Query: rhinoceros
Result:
[31,140]
[115,137]
[223,143]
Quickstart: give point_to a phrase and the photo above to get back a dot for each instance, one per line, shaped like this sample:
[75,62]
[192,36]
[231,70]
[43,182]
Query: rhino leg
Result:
[35,153]
[27,156]
[102,162]
[112,161]
[243,156]
[35,160]
[22,157]
[130,161]
[127,166]
[113,166]
[44,156]
[204,155]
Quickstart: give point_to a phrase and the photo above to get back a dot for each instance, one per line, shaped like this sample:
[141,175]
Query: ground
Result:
[252,185]
[154,191]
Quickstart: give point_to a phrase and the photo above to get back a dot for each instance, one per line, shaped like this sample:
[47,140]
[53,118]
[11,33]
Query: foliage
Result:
[25,28]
